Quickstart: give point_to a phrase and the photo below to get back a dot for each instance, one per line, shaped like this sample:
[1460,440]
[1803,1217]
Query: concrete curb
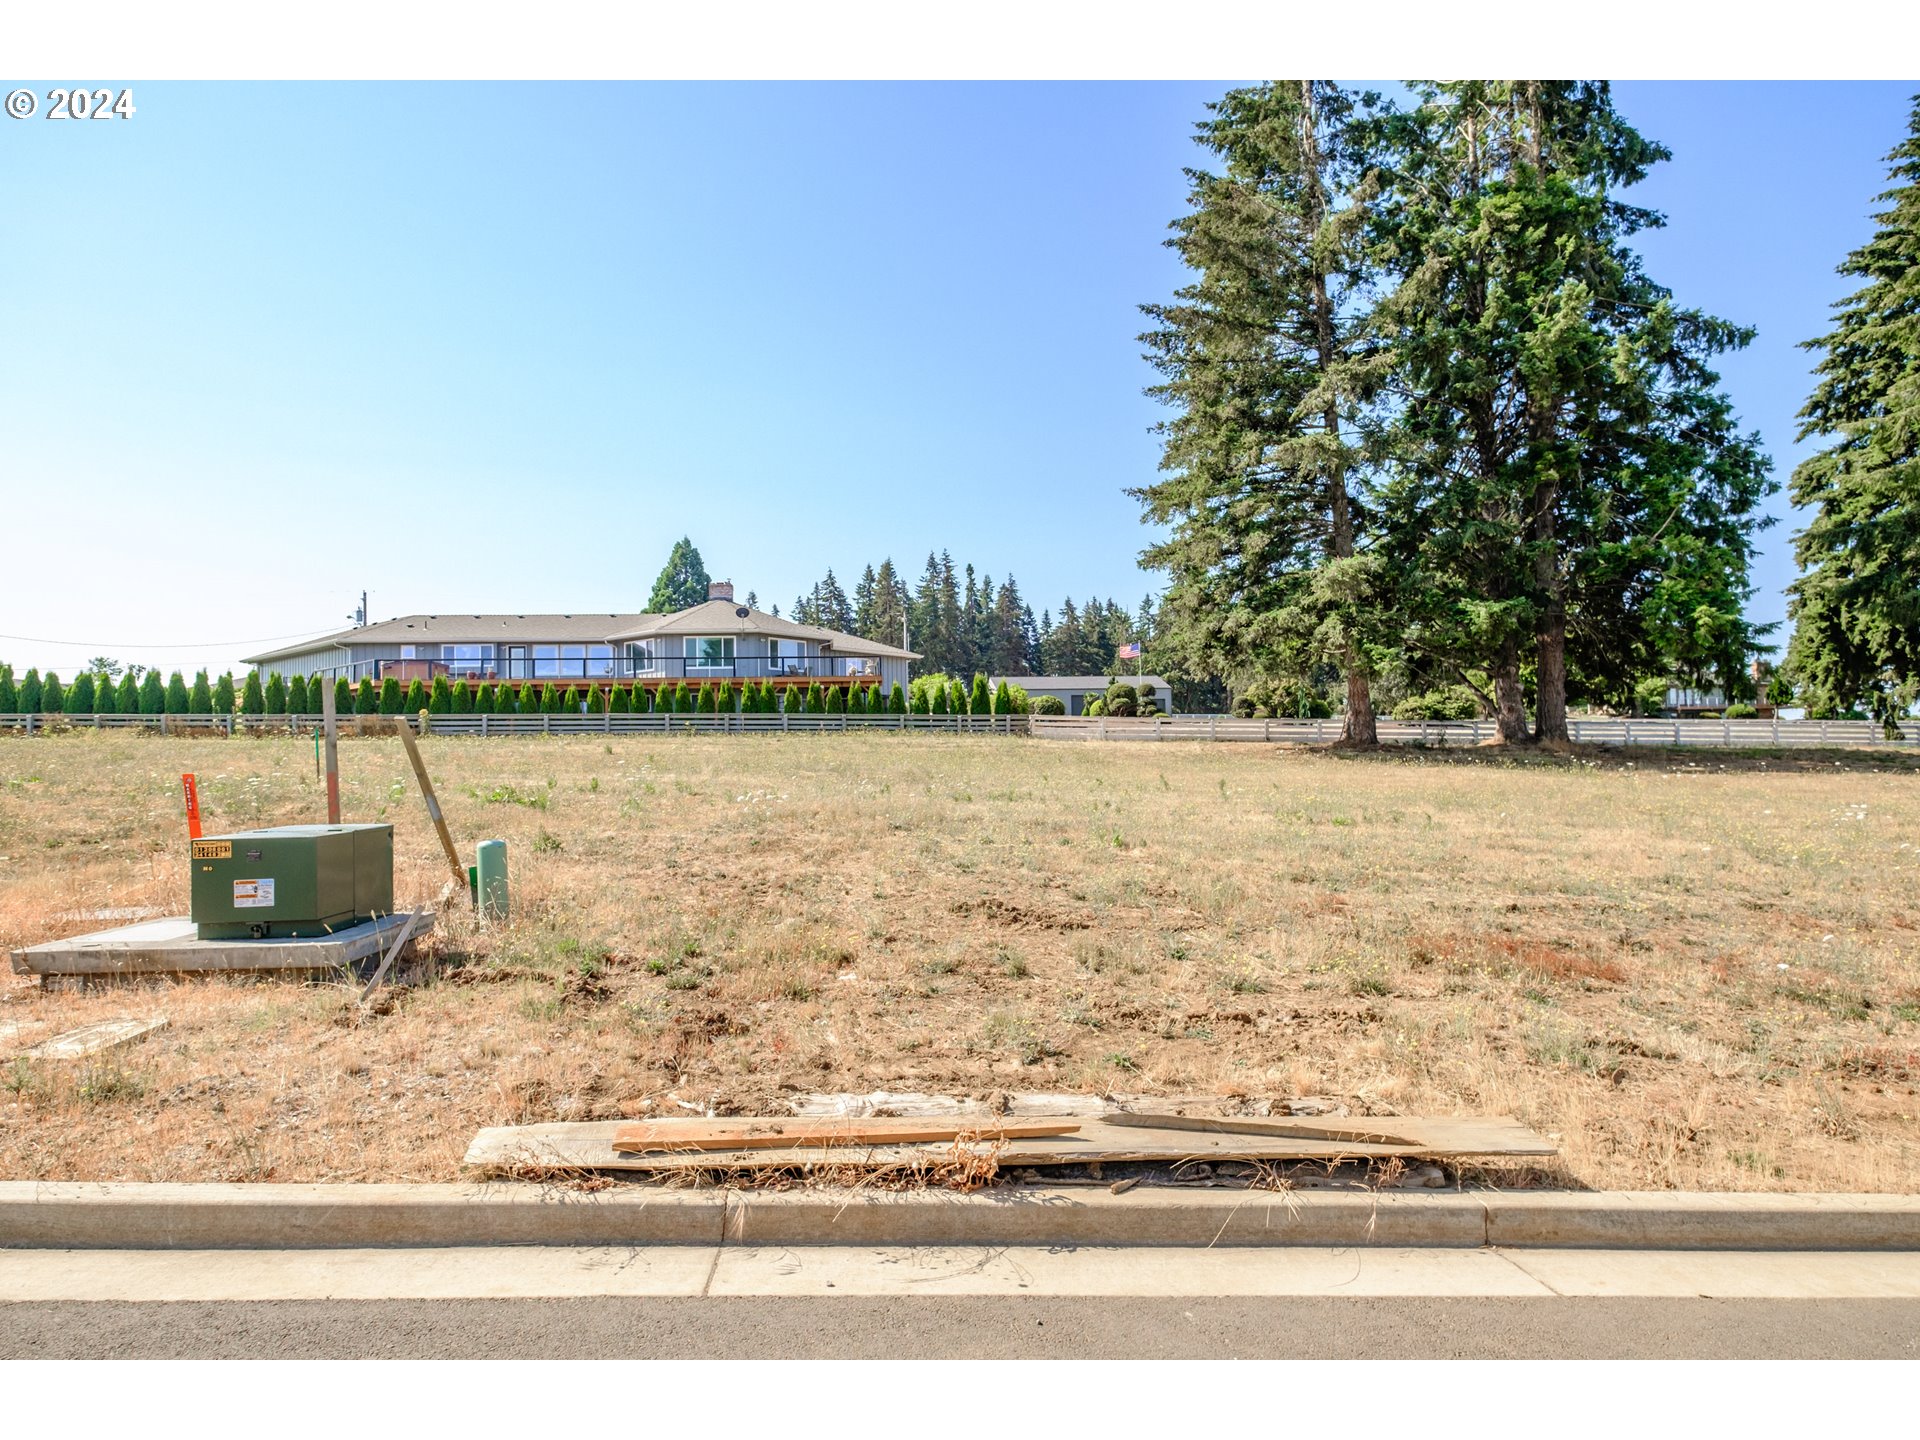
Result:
[56,1215]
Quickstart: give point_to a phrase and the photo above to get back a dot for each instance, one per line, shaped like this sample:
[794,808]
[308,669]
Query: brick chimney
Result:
[719,590]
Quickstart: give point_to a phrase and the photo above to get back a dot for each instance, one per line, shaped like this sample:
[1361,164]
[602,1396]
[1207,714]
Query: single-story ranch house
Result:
[715,641]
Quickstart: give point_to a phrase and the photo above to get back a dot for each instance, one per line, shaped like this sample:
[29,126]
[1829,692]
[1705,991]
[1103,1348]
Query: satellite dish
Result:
[742,611]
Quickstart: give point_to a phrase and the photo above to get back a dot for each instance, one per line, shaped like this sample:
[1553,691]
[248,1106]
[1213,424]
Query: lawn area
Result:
[1697,970]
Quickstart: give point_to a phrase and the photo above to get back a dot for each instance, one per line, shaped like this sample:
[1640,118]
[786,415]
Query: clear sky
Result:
[495,347]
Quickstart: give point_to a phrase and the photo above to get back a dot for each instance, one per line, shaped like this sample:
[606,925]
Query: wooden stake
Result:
[193,806]
[433,807]
[386,961]
[1236,1125]
[331,723]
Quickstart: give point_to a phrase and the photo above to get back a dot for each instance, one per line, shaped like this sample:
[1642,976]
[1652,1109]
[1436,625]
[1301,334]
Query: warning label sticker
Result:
[252,894]
[213,849]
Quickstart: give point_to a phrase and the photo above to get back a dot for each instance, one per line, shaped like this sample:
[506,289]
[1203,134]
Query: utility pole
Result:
[359,617]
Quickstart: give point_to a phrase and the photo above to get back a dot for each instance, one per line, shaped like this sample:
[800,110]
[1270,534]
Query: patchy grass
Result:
[1695,969]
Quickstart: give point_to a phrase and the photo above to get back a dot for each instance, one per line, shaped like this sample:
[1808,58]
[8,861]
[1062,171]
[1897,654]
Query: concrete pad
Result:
[502,1272]
[1725,1274]
[1029,1270]
[172,946]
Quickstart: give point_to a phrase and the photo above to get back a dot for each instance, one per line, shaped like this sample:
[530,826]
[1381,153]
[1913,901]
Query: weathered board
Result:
[773,1133]
[589,1145]
[92,1039]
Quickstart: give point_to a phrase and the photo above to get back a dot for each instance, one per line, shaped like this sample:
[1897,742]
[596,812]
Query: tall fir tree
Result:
[682,581]
[1856,604]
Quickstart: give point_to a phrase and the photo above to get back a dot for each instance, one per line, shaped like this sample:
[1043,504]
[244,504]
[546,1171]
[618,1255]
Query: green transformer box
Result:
[291,882]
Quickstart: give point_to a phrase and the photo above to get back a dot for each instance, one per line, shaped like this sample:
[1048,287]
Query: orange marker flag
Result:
[193,807]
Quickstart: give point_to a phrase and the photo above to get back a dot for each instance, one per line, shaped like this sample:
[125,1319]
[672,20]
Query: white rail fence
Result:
[1758,734]
[1754,734]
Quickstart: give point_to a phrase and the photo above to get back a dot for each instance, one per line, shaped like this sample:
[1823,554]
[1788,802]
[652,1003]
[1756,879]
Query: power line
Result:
[198,645]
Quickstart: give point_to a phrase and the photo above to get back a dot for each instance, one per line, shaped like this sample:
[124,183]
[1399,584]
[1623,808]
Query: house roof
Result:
[590,629]
[712,617]
[726,617]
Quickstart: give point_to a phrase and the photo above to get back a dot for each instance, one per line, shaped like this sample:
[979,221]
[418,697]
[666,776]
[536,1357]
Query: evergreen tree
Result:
[816,704]
[1856,604]
[956,697]
[857,700]
[224,697]
[440,697]
[342,696]
[53,695]
[415,699]
[252,700]
[298,702]
[681,583]
[682,699]
[393,699]
[1567,466]
[1003,700]
[723,701]
[461,698]
[177,699]
[897,700]
[127,701]
[979,702]
[619,700]
[106,699]
[9,694]
[830,606]
[484,699]
[275,696]
[32,693]
[200,695]
[835,700]
[79,700]
[153,695]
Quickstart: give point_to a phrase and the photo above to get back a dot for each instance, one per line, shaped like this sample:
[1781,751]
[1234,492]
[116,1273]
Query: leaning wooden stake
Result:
[433,806]
[393,953]
[331,723]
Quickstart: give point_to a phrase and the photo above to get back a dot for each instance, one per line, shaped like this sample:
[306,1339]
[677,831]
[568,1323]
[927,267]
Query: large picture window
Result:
[709,652]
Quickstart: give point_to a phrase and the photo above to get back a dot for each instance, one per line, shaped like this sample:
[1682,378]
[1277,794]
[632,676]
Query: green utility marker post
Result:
[490,872]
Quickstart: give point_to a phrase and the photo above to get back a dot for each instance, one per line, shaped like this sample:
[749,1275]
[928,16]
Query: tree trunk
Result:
[1510,703]
[1551,664]
[1359,727]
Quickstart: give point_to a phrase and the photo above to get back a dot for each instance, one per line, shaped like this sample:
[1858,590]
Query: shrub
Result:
[79,699]
[415,699]
[619,700]
[153,695]
[836,700]
[176,694]
[1120,690]
[1048,705]
[1149,694]
[460,698]
[956,698]
[105,699]
[1740,712]
[252,701]
[897,700]
[391,696]
[979,702]
[816,702]
[224,698]
[9,695]
[857,700]
[1456,702]
[1088,701]
[297,698]
[200,695]
[127,702]
[342,696]
[276,695]
[53,695]
[32,693]
[682,699]
[1002,699]
[483,698]
[440,698]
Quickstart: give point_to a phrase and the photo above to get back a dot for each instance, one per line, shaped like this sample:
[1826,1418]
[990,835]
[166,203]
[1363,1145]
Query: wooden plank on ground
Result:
[1252,1125]
[589,1145]
[92,1039]
[770,1133]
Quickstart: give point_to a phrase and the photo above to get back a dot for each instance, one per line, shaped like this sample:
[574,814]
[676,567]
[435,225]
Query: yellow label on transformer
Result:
[213,849]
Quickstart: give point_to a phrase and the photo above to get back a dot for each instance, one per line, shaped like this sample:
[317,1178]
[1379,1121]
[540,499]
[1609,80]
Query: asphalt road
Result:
[987,1327]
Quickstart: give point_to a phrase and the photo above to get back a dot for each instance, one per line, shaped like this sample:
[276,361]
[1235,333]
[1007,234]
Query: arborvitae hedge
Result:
[200,695]
[619,701]
[836,700]
[1002,700]
[53,695]
[957,698]
[415,700]
[440,698]
[461,697]
[177,697]
[223,695]
[897,701]
[857,700]
[79,699]
[724,700]
[276,694]
[483,701]
[106,699]
[9,693]
[32,693]
[127,700]
[252,701]
[298,699]
[392,697]
[342,695]
[682,699]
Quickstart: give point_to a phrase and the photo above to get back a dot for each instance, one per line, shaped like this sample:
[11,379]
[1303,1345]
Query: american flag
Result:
[1130,652]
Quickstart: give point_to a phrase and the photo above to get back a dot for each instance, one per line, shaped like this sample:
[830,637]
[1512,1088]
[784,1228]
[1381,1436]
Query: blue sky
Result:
[495,347]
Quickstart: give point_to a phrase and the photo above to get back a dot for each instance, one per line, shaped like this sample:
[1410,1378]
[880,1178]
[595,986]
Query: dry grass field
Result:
[1694,970]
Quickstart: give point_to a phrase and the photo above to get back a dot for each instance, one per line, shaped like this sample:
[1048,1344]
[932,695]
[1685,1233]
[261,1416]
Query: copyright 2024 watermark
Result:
[78,103]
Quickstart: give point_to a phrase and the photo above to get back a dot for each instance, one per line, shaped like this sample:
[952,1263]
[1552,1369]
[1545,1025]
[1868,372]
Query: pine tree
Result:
[223,694]
[79,698]
[252,700]
[1856,603]
[177,699]
[440,697]
[298,702]
[830,606]
[1572,487]
[127,700]
[276,695]
[681,583]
